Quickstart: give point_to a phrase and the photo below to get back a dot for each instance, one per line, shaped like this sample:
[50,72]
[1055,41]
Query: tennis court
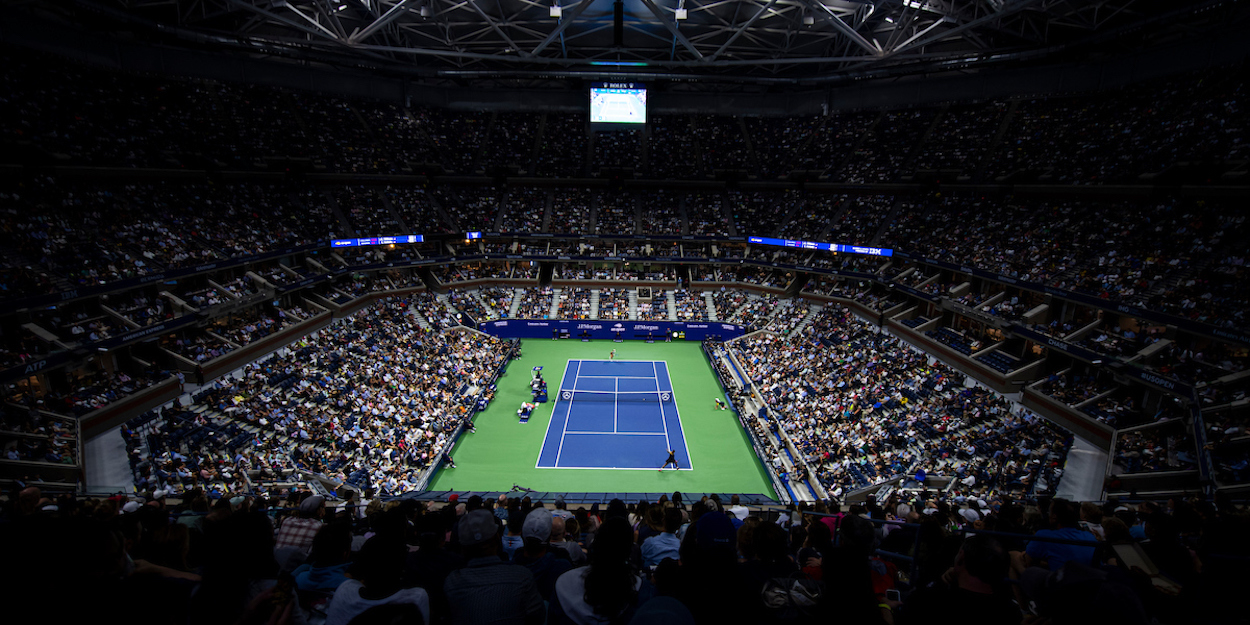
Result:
[614,414]
[503,451]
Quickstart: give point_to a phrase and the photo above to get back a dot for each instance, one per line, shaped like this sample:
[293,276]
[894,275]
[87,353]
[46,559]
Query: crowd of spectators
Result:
[497,302]
[257,323]
[656,309]
[756,311]
[535,303]
[118,119]
[563,151]
[365,211]
[417,210]
[573,303]
[335,404]
[511,141]
[961,137]
[617,149]
[705,215]
[613,304]
[34,436]
[881,156]
[661,212]
[760,213]
[197,345]
[429,308]
[1169,447]
[570,212]
[690,306]
[295,556]
[865,407]
[615,214]
[87,390]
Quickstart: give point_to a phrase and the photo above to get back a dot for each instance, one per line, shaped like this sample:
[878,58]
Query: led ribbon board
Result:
[828,247]
[405,238]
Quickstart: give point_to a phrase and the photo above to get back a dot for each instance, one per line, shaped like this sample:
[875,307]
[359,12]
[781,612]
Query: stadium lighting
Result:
[681,9]
[555,11]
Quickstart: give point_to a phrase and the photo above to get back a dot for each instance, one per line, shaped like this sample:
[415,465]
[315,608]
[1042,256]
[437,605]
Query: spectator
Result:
[545,563]
[1065,521]
[376,576]
[300,531]
[559,540]
[488,590]
[607,591]
[327,565]
[665,544]
[976,583]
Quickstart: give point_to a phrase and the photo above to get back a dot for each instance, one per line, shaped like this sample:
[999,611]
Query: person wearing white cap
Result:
[299,531]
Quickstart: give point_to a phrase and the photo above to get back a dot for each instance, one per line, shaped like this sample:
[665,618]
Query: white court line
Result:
[612,468]
[619,377]
[667,443]
[618,433]
[564,429]
[676,412]
[615,403]
[601,360]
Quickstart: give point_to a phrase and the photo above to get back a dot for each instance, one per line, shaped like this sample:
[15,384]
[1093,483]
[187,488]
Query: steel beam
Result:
[741,29]
[564,23]
[829,16]
[318,30]
[495,26]
[386,18]
[672,28]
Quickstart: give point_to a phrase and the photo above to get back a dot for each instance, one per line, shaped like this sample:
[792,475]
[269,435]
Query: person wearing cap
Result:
[562,509]
[487,589]
[300,531]
[545,563]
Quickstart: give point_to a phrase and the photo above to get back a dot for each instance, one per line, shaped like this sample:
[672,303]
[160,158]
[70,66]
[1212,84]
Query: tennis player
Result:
[612,355]
[672,459]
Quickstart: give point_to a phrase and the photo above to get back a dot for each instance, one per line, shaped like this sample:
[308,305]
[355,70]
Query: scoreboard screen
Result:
[618,103]
[827,247]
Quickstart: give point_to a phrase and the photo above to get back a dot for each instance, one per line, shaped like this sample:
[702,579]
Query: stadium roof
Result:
[763,41]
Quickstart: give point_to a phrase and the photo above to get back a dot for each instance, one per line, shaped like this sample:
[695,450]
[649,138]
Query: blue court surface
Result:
[618,414]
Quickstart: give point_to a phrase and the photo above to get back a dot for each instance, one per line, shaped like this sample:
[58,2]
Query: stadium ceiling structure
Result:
[733,40]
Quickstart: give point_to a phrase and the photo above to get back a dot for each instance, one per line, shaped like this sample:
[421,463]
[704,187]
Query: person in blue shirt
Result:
[1065,517]
[329,560]
[665,544]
